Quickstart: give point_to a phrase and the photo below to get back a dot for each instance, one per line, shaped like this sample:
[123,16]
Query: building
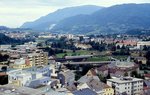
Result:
[85,91]
[3,78]
[16,90]
[21,64]
[91,72]
[146,87]
[66,77]
[118,68]
[94,84]
[141,44]
[129,85]
[83,46]
[127,43]
[32,77]
[147,76]
[40,58]
[5,47]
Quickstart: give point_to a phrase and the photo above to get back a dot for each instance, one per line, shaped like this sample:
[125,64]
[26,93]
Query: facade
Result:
[67,77]
[5,47]
[38,58]
[83,46]
[129,85]
[18,77]
[143,43]
[32,77]
[21,64]
[108,90]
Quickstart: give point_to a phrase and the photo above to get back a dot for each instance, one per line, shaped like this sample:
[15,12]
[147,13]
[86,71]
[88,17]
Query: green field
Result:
[78,52]
[99,58]
[119,57]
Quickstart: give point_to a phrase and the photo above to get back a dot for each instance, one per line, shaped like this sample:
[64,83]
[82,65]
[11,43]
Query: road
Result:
[79,63]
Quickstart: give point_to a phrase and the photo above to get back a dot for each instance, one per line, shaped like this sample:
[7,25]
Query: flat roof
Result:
[124,80]
[15,90]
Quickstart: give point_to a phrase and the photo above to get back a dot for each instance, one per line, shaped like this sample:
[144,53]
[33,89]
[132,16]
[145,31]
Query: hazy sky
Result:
[14,13]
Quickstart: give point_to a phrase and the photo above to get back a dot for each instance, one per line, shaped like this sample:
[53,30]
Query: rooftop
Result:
[124,80]
[85,91]
[14,90]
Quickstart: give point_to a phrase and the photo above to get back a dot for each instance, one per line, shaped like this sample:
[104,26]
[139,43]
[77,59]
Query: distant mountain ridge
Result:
[3,28]
[49,21]
[115,19]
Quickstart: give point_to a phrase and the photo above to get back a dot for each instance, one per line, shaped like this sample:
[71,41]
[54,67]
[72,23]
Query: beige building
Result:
[21,64]
[129,85]
[143,43]
[38,58]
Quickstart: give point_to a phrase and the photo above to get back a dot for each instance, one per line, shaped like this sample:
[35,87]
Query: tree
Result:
[123,47]
[4,68]
[103,79]
[118,47]
[148,58]
[125,74]
[134,74]
[145,48]
[113,48]
[108,76]
[147,55]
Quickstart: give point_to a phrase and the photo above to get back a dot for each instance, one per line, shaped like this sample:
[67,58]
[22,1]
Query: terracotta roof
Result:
[92,72]
[103,68]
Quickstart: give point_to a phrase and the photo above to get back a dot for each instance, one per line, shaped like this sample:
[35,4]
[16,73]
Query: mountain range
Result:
[94,19]
[49,21]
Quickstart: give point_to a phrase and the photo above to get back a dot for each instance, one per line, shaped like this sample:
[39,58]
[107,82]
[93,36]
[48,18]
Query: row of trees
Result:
[53,51]
[3,57]
[98,46]
[148,57]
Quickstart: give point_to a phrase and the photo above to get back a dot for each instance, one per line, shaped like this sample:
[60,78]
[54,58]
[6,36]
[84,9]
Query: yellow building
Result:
[108,90]
[38,58]
[21,64]
[16,82]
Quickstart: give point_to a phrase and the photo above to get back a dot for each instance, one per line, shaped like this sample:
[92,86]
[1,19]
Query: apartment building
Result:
[40,58]
[128,85]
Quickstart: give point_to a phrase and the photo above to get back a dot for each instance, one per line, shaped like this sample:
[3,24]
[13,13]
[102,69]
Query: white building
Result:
[129,85]
[5,46]
[33,77]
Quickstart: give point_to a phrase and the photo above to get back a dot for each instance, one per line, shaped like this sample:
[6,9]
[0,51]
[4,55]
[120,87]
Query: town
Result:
[67,64]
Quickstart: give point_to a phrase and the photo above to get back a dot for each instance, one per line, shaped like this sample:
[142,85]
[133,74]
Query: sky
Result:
[13,13]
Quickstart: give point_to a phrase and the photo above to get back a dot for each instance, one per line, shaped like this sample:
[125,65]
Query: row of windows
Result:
[109,94]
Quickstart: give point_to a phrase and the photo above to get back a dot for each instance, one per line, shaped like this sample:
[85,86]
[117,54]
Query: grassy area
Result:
[119,57]
[99,58]
[78,52]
